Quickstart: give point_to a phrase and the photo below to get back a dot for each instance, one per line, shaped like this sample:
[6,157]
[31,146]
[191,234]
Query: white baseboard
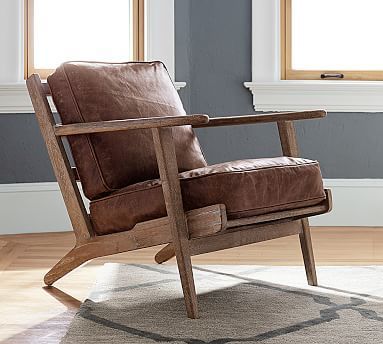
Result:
[32,208]
[356,202]
[38,207]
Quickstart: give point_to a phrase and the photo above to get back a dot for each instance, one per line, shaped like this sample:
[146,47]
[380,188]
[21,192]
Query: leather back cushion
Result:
[91,92]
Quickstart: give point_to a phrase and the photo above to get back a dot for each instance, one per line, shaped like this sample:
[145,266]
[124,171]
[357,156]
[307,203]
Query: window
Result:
[330,39]
[93,30]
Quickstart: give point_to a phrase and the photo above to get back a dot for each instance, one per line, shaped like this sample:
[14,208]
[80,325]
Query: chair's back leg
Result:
[307,252]
[167,164]
[290,148]
[165,254]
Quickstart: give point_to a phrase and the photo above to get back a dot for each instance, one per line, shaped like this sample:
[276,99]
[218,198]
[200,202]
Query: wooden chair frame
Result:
[186,233]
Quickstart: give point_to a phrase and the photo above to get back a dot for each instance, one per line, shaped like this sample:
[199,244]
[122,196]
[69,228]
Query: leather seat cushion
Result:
[246,187]
[93,92]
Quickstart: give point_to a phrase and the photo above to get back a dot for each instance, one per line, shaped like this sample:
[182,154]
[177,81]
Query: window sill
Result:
[14,98]
[335,96]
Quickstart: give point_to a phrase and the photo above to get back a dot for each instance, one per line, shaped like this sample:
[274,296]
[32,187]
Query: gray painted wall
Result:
[23,156]
[215,63]
[213,55]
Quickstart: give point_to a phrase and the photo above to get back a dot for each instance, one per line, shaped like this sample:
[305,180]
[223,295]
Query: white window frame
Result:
[270,93]
[14,98]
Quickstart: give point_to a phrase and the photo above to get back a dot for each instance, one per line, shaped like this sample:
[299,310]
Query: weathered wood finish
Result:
[295,214]
[244,236]
[167,163]
[288,139]
[128,124]
[165,254]
[203,221]
[290,148]
[258,119]
[195,232]
[307,252]
[168,251]
[61,166]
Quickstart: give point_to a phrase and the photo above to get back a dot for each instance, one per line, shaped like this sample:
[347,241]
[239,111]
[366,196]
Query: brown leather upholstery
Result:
[246,187]
[88,92]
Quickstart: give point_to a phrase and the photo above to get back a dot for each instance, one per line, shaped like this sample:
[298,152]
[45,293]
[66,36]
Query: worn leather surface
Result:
[246,187]
[91,92]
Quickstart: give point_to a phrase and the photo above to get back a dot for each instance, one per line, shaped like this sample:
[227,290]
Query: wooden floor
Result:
[30,313]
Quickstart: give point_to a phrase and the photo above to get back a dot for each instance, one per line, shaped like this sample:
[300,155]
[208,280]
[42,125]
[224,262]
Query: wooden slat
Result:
[75,174]
[168,252]
[61,166]
[296,214]
[267,118]
[244,236]
[46,89]
[129,124]
[201,222]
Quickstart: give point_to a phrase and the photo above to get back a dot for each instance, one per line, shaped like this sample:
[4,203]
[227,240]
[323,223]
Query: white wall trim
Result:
[356,202]
[272,94]
[32,208]
[14,97]
[38,207]
[160,33]
[306,95]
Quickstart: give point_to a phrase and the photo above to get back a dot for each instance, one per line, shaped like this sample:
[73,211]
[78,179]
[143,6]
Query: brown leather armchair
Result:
[141,166]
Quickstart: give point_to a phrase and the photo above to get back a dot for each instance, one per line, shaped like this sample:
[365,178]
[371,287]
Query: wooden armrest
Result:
[129,124]
[266,118]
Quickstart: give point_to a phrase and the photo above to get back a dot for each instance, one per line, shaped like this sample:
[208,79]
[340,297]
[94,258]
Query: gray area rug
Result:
[238,304]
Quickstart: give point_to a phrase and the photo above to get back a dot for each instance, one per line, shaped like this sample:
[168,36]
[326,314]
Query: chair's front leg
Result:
[290,148]
[167,164]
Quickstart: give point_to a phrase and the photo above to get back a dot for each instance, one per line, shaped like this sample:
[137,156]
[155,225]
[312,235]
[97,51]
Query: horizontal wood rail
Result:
[244,236]
[262,225]
[203,221]
[266,118]
[321,208]
[129,124]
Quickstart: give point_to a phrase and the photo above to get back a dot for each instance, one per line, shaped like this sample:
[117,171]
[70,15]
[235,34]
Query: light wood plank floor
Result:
[32,314]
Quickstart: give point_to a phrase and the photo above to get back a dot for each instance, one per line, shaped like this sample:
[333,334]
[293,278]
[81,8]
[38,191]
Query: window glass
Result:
[337,35]
[96,30]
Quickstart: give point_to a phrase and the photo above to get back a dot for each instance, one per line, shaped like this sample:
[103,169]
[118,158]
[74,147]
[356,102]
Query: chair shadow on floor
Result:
[65,299]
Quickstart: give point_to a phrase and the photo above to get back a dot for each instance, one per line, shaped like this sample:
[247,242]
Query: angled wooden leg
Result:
[290,148]
[165,254]
[187,281]
[307,251]
[167,163]
[69,262]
